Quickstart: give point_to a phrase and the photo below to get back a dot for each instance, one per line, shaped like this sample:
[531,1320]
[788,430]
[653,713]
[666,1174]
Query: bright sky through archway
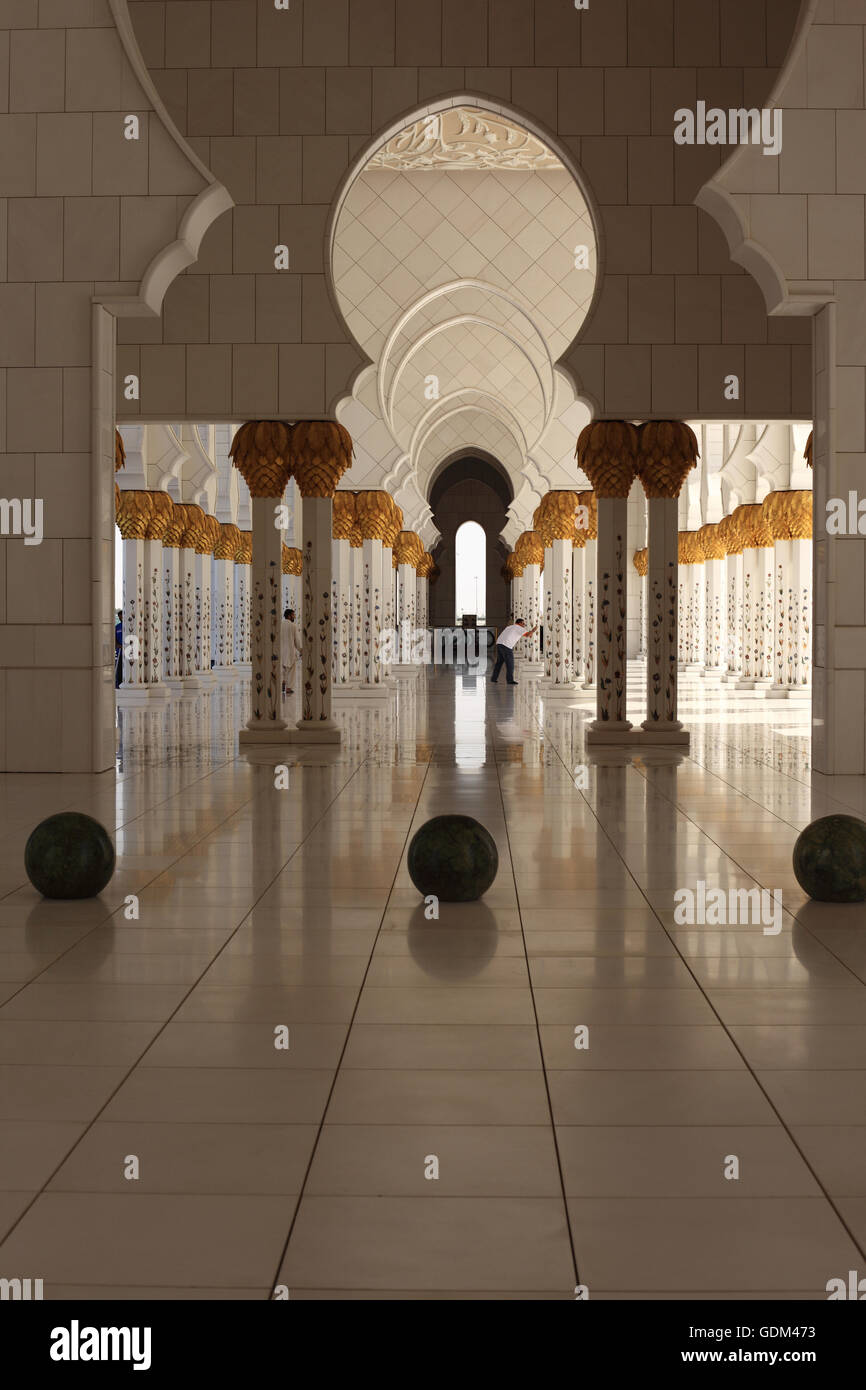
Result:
[471,571]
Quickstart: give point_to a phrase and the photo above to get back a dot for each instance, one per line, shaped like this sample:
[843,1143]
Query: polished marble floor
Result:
[145,1025]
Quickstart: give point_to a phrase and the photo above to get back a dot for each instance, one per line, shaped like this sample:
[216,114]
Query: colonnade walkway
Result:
[268,892]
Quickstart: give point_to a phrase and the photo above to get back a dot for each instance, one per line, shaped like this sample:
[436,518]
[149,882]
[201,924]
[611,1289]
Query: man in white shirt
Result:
[292,646]
[505,644]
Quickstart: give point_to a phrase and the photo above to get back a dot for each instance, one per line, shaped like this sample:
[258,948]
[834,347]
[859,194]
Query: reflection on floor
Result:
[146,1023]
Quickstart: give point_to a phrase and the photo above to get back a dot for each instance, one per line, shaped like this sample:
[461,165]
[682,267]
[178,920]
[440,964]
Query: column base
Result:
[663,731]
[159,691]
[174,684]
[714,672]
[191,683]
[609,731]
[732,677]
[225,674]
[364,695]
[315,731]
[755,683]
[406,670]
[244,668]
[130,696]
[532,669]
[560,692]
[277,732]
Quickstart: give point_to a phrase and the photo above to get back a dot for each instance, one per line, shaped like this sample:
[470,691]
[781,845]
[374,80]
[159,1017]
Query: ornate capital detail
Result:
[293,560]
[556,516]
[343,516]
[356,538]
[373,515]
[209,535]
[244,553]
[175,528]
[320,452]
[133,510]
[775,513]
[408,548]
[712,542]
[689,550]
[590,501]
[668,451]
[120,452]
[425,565]
[753,526]
[729,531]
[226,547]
[191,534]
[641,561]
[260,452]
[163,507]
[513,567]
[395,523]
[607,451]
[529,546]
[800,514]
[807,452]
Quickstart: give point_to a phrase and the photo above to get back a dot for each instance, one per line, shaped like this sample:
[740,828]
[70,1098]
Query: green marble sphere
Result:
[69,856]
[454,858]
[830,860]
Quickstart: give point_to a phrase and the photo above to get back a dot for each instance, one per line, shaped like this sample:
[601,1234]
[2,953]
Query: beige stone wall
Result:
[83,213]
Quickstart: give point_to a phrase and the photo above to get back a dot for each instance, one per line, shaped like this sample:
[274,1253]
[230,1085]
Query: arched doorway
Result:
[470,489]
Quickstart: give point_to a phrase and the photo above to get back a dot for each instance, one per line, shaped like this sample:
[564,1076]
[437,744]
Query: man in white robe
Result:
[292,648]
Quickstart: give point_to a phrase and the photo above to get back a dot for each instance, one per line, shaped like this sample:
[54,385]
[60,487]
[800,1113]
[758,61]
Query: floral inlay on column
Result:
[607,452]
[668,451]
[320,452]
[260,452]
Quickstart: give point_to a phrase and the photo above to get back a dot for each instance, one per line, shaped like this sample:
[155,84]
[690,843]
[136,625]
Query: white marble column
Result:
[697,613]
[316,724]
[789,517]
[222,601]
[800,630]
[757,598]
[321,452]
[406,618]
[716,600]
[189,610]
[640,564]
[372,562]
[610,723]
[171,601]
[204,598]
[578,584]
[730,534]
[356,576]
[547,615]
[266,718]
[243,570]
[389,611]
[134,686]
[661,722]
[341,604]
[533,664]
[590,579]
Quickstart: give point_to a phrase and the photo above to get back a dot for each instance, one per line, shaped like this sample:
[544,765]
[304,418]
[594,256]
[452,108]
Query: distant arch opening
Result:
[470,560]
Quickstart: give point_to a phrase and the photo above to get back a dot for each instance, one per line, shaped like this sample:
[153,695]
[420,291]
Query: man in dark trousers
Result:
[505,644]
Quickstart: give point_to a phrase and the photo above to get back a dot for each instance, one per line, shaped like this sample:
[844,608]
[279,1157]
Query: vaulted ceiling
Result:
[458,267]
